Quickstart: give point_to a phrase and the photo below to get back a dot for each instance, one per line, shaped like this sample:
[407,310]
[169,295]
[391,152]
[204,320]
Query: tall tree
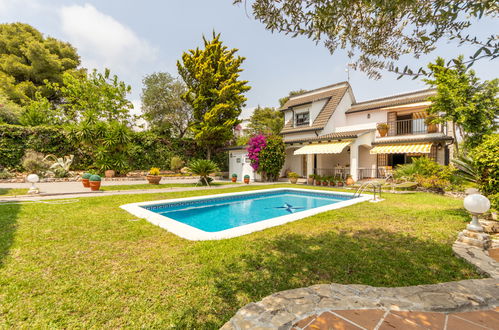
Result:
[163,106]
[10,112]
[27,59]
[285,99]
[376,33]
[215,91]
[471,105]
[268,121]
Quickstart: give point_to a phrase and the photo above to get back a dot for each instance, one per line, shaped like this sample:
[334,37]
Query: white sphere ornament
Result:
[476,203]
[33,178]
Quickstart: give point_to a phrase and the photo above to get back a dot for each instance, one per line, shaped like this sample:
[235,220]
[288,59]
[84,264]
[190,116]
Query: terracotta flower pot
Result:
[293,180]
[350,181]
[382,131]
[234,179]
[94,185]
[109,173]
[325,183]
[340,184]
[153,179]
[246,181]
[432,128]
[317,182]
[86,183]
[310,180]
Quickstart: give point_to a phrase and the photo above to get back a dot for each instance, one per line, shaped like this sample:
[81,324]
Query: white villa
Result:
[328,133]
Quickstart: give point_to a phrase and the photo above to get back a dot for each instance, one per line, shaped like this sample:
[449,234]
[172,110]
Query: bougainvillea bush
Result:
[272,158]
[256,144]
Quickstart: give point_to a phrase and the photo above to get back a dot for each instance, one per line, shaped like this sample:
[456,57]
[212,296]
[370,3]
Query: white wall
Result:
[293,163]
[239,164]
[338,118]
[356,121]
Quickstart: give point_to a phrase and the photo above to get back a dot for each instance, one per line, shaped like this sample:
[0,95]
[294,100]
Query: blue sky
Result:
[134,38]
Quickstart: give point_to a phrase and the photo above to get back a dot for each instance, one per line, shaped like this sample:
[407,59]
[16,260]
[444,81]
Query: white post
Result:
[354,161]
[310,165]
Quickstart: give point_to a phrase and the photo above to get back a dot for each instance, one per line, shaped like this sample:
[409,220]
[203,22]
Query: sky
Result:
[136,38]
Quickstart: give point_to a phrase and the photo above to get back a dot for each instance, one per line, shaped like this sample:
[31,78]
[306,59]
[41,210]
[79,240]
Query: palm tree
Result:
[467,169]
[203,168]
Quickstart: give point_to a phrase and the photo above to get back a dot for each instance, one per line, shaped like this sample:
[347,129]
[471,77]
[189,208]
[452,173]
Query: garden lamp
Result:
[476,204]
[33,178]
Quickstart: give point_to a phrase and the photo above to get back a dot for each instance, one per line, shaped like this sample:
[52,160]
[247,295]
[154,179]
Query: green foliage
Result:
[94,178]
[28,59]
[10,112]
[377,33]
[162,104]
[472,106]
[272,158]
[39,111]
[60,165]
[4,174]
[466,168]
[176,163]
[266,121]
[154,171]
[242,140]
[293,175]
[215,91]
[86,175]
[234,175]
[486,160]
[246,176]
[203,168]
[35,162]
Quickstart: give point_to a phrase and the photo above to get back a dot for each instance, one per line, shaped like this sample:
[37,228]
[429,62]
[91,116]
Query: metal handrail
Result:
[412,127]
[365,185]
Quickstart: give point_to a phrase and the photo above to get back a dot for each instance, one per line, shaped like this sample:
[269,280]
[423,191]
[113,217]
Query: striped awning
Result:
[403,148]
[323,148]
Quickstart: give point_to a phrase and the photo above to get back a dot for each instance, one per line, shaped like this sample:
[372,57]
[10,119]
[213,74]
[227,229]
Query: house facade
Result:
[328,133]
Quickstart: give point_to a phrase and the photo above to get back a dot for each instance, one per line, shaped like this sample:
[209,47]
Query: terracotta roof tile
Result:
[390,101]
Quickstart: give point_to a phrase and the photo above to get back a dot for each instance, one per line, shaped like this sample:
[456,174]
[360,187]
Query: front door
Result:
[398,159]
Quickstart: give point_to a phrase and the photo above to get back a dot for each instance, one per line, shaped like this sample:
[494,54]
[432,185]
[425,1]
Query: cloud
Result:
[101,40]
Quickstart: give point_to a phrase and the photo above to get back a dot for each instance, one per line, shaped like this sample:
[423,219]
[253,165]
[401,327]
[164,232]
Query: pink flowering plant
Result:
[256,144]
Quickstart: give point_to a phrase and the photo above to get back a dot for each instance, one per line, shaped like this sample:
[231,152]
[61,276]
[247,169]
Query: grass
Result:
[158,186]
[13,191]
[91,264]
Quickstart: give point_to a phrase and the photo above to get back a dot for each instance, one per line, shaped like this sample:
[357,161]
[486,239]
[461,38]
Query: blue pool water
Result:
[220,213]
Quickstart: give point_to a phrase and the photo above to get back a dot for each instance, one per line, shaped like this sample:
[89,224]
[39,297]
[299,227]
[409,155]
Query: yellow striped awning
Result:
[323,148]
[403,148]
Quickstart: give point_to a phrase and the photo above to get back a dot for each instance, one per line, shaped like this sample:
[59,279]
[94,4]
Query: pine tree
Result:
[214,91]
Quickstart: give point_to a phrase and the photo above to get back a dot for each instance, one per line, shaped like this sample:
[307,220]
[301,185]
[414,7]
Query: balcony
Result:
[410,127]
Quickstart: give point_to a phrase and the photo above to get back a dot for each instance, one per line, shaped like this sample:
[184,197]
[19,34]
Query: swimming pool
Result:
[235,214]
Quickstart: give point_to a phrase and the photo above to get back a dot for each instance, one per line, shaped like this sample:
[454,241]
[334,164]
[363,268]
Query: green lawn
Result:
[12,191]
[91,264]
[159,186]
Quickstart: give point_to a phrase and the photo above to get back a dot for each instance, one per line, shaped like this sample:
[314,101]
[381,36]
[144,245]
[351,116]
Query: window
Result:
[302,118]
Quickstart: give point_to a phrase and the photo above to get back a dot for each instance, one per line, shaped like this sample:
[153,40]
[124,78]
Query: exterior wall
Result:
[293,163]
[239,164]
[356,121]
[314,109]
[338,118]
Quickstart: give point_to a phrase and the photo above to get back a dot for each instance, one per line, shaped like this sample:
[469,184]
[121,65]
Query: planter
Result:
[432,128]
[153,179]
[109,173]
[310,181]
[86,183]
[332,184]
[246,180]
[383,132]
[325,183]
[350,181]
[293,180]
[317,182]
[234,179]
[94,185]
[340,184]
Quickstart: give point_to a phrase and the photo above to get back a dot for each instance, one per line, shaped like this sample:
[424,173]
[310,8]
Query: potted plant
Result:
[310,179]
[94,181]
[349,181]
[293,177]
[153,176]
[234,177]
[339,182]
[85,181]
[332,182]
[431,126]
[382,129]
[325,180]
[246,178]
[318,179]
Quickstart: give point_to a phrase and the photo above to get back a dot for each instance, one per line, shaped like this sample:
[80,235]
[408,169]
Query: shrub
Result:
[86,176]
[486,159]
[35,162]
[4,174]
[271,158]
[94,177]
[203,168]
[154,171]
[293,175]
[61,165]
[176,163]
[234,175]
[247,177]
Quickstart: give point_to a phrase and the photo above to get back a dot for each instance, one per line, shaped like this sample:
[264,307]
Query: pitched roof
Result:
[390,101]
[333,95]
[331,136]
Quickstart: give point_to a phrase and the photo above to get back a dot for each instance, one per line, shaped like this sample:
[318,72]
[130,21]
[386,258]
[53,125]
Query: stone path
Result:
[356,319]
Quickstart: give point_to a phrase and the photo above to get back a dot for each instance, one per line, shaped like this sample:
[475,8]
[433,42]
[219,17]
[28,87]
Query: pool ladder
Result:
[376,189]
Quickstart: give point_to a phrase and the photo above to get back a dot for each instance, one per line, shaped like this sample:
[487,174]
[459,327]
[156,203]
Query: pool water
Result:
[221,213]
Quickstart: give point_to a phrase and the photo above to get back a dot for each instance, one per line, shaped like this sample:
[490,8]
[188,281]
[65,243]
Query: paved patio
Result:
[381,319]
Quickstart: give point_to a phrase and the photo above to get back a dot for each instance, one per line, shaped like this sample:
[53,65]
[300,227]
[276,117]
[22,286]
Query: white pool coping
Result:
[194,234]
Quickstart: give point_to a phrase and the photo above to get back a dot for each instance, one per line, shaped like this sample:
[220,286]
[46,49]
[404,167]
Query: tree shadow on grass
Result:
[372,257]
[8,226]
[4,191]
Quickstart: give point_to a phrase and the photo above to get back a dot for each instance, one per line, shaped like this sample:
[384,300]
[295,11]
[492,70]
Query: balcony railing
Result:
[410,127]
